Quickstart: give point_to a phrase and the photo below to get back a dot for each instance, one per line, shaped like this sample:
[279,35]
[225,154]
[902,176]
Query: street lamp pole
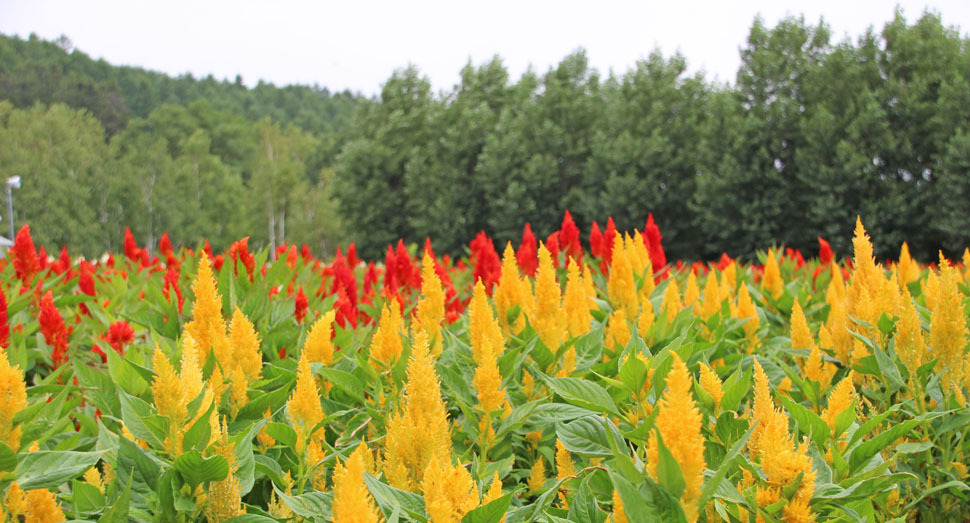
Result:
[13,181]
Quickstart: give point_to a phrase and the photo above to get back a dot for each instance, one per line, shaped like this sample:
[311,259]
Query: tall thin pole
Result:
[10,209]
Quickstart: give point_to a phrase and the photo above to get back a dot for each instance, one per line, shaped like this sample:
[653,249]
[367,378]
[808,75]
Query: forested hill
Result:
[36,70]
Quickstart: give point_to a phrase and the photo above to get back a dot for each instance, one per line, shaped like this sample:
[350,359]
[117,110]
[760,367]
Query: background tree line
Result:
[813,132]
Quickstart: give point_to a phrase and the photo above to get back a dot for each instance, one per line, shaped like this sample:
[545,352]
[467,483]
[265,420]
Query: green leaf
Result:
[311,505]
[588,436]
[118,513]
[342,380]
[633,374]
[251,518]
[582,393]
[516,418]
[196,470]
[282,433]
[46,468]
[924,493]
[491,512]
[808,422]
[735,389]
[583,505]
[8,458]
[886,324]
[135,464]
[197,437]
[388,497]
[124,375]
[714,482]
[134,412]
[867,449]
[914,448]
[87,498]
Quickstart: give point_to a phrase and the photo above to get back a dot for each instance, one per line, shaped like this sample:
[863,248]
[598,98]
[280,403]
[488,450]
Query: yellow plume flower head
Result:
[549,318]
[840,399]
[449,491]
[512,290]
[207,321]
[431,308]
[246,356]
[692,292]
[420,430]
[13,399]
[621,287]
[576,302]
[352,502]
[711,383]
[671,305]
[745,310]
[712,297]
[771,282]
[386,345]
[679,424]
[318,345]
[948,324]
[908,268]
[617,333]
[304,410]
[43,507]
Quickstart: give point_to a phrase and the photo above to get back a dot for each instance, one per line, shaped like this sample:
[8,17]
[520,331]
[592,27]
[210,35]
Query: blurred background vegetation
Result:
[812,132]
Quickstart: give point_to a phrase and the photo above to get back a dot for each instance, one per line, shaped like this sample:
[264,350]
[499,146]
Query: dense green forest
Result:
[813,131]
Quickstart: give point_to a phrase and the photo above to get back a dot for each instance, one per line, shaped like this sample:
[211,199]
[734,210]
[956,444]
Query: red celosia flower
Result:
[165,247]
[825,254]
[62,264]
[652,239]
[24,256]
[4,326]
[608,235]
[207,248]
[569,237]
[527,253]
[218,261]
[132,252]
[596,240]
[552,245]
[723,262]
[54,330]
[370,278]
[305,254]
[488,266]
[171,281]
[352,259]
[119,335]
[43,258]
[292,257]
[239,253]
[300,304]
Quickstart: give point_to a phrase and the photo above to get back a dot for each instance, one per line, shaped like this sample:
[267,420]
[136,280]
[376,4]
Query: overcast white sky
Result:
[358,44]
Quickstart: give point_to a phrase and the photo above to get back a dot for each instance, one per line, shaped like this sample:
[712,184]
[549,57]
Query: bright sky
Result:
[358,44]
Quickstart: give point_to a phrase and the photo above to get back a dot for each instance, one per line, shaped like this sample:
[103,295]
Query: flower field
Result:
[580,378]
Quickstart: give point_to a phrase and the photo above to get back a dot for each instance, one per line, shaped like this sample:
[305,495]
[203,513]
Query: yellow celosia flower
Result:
[816,368]
[449,492]
[190,373]
[224,501]
[431,308]
[712,298]
[948,324]
[537,476]
[589,285]
[318,345]
[840,399]
[729,281]
[576,303]
[907,267]
[910,344]
[483,330]
[386,345]
[512,290]
[564,469]
[838,325]
[549,318]
[15,502]
[207,321]
[43,507]
[13,399]
[866,284]
[352,502]
[621,287]
[835,292]
[645,319]
[487,346]
[246,356]
[671,305]
[494,491]
[692,292]
[93,477]
[420,430]
[304,410]
[637,251]
[568,364]
[966,263]
[679,424]
[711,383]
[167,389]
[771,282]
[619,514]
[745,310]
[617,333]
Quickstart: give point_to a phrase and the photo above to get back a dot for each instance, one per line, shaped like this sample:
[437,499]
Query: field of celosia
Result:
[552,383]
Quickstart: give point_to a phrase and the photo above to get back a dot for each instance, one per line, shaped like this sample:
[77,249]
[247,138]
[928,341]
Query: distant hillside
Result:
[36,70]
